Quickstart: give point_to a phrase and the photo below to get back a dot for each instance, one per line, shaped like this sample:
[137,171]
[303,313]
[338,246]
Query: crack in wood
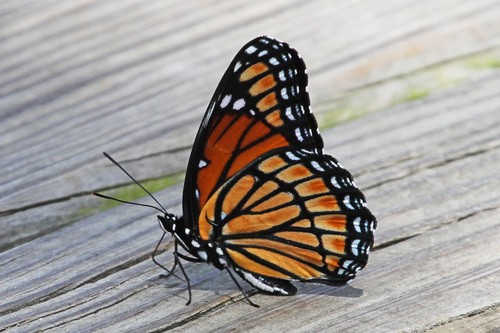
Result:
[439,226]
[462,156]
[75,286]
[76,195]
[393,242]
[43,203]
[48,314]
[463,217]
[472,313]
[122,299]
[205,312]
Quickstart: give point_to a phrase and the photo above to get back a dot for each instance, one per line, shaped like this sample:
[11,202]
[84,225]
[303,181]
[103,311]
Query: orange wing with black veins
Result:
[293,215]
[260,105]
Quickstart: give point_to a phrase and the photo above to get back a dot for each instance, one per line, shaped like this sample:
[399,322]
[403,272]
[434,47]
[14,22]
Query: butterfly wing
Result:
[260,104]
[293,214]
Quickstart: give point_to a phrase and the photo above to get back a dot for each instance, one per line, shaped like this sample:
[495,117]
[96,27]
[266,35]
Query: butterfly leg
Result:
[178,255]
[169,272]
[240,288]
[188,281]
[176,260]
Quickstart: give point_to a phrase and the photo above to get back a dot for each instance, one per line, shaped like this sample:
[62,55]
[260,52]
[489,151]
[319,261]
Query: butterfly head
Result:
[168,222]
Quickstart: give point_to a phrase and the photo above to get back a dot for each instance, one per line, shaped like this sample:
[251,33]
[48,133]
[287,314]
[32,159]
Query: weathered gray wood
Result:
[134,79]
[75,90]
[487,321]
[108,282]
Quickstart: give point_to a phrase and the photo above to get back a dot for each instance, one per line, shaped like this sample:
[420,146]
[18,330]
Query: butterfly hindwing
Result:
[260,104]
[292,214]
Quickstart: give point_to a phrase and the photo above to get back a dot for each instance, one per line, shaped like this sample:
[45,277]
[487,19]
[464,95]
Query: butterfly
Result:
[260,197]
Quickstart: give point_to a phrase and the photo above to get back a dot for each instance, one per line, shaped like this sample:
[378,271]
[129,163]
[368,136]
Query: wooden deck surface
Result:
[412,87]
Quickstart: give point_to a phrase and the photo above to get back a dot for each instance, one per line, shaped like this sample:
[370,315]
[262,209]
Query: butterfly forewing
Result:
[292,214]
[260,104]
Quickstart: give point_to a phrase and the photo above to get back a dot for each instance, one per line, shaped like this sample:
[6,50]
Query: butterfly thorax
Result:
[193,244]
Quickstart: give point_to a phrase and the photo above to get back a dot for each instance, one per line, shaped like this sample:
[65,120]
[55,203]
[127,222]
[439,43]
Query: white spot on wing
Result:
[225,101]
[239,104]
[274,61]
[292,156]
[357,224]
[347,263]
[289,114]
[354,247]
[316,166]
[298,134]
[262,53]
[251,49]
[347,202]
[335,183]
[237,66]
[284,93]
[202,164]
[281,75]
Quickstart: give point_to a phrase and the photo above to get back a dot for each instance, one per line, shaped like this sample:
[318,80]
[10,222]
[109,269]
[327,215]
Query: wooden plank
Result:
[86,76]
[105,280]
[410,286]
[487,321]
[104,110]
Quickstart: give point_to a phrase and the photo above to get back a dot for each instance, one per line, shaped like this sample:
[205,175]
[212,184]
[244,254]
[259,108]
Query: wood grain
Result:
[133,78]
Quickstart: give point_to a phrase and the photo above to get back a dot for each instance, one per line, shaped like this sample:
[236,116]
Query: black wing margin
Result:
[260,104]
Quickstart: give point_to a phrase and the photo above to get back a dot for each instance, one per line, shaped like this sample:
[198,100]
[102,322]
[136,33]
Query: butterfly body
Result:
[261,197]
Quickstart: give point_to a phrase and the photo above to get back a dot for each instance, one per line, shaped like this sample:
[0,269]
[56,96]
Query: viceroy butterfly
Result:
[260,196]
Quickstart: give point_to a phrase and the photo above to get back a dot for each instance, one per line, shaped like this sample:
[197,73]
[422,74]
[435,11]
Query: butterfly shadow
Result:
[345,291]
[207,278]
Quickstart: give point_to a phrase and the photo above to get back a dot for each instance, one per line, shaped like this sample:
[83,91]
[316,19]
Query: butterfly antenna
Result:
[127,202]
[136,182]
